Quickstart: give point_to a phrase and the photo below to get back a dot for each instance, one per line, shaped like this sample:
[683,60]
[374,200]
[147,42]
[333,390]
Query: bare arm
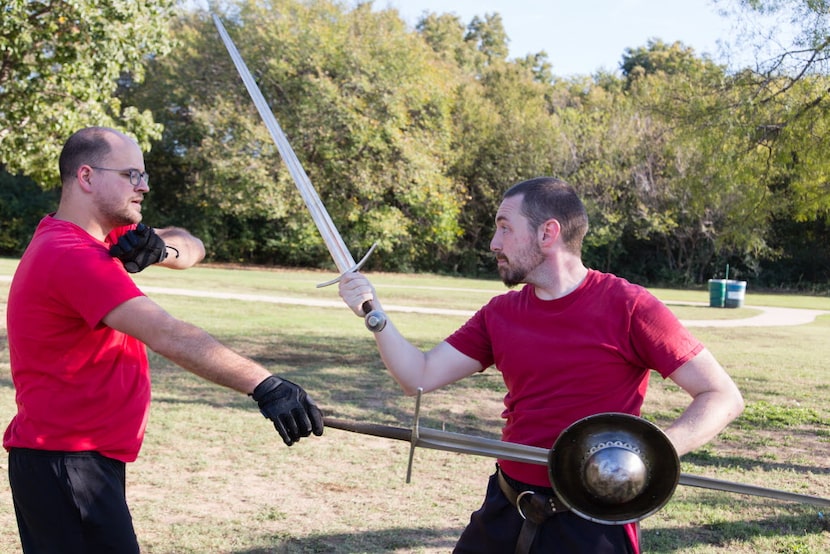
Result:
[286,404]
[186,345]
[184,250]
[411,367]
[716,401]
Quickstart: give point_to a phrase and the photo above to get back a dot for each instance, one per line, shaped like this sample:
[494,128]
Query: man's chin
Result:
[132,219]
[508,281]
[134,214]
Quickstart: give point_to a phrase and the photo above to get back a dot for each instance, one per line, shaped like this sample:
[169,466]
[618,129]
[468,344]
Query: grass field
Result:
[214,477]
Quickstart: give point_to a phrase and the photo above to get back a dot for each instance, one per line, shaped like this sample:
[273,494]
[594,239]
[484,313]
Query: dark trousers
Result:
[494,529]
[70,503]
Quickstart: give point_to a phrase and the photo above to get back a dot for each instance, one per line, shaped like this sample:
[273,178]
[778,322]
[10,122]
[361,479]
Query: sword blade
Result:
[448,441]
[751,490]
[375,319]
[331,236]
[479,446]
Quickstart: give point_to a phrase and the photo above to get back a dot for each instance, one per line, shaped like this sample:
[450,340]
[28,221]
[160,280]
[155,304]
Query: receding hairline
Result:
[103,132]
[90,145]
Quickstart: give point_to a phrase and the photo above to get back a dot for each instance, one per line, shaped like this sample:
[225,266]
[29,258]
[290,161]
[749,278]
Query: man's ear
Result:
[84,177]
[549,232]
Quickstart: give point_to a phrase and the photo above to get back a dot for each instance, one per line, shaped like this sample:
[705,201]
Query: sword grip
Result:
[375,319]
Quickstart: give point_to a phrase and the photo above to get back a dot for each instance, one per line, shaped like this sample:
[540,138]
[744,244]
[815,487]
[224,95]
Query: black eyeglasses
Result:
[135,175]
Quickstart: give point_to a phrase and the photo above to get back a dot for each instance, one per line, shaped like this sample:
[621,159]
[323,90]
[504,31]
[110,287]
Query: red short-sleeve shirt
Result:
[589,352]
[79,384]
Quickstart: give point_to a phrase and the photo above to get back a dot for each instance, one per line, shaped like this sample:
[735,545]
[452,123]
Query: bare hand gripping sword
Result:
[375,319]
[418,436]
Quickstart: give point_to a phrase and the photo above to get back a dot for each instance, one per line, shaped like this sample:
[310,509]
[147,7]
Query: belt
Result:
[534,507]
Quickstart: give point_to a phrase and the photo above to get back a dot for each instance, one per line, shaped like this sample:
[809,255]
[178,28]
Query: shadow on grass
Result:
[756,522]
[708,459]
[382,541]
[654,539]
[345,377]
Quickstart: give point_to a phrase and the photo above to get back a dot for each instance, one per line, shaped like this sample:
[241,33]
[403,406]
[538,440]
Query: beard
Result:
[118,215]
[516,270]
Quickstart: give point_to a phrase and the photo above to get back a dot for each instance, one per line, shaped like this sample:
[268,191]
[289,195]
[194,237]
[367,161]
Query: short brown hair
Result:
[87,146]
[547,198]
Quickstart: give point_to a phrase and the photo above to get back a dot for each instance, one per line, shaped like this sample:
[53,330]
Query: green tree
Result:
[784,97]
[702,200]
[659,57]
[502,129]
[775,38]
[364,103]
[667,181]
[60,64]
[488,36]
[444,33]
[22,205]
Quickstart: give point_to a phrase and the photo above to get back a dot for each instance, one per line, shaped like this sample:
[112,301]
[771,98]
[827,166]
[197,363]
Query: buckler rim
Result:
[567,466]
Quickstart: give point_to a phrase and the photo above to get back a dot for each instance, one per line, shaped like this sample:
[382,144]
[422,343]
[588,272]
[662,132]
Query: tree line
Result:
[411,135]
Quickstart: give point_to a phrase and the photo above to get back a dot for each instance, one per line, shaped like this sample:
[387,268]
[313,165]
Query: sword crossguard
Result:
[375,319]
[354,268]
[415,436]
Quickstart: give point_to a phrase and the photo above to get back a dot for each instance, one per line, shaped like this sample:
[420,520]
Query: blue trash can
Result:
[735,294]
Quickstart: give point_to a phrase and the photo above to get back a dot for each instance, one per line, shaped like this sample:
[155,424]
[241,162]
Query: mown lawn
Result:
[215,477]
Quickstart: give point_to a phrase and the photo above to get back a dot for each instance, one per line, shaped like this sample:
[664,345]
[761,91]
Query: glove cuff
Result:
[265,387]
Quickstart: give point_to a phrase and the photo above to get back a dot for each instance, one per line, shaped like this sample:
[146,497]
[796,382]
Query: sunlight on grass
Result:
[214,477]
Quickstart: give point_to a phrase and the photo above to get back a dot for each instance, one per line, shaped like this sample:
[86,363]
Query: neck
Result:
[82,220]
[561,280]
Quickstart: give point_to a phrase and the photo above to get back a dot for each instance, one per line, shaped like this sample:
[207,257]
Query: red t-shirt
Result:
[79,384]
[565,359]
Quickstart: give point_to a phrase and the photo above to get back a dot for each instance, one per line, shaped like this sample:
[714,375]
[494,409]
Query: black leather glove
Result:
[139,248]
[294,414]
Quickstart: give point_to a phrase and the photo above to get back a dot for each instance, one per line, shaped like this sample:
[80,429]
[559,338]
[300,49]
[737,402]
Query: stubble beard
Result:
[516,272]
[119,216]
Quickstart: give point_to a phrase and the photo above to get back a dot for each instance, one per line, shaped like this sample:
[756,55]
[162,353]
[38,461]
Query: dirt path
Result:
[769,317]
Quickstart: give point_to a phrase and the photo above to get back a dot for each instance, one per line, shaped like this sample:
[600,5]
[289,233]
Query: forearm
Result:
[411,368]
[405,362]
[716,401]
[183,249]
[707,415]
[196,351]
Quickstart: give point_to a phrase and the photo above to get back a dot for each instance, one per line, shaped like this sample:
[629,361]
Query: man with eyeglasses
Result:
[77,330]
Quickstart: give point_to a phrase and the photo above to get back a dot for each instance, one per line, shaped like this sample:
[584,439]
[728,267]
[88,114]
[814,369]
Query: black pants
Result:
[70,503]
[494,529]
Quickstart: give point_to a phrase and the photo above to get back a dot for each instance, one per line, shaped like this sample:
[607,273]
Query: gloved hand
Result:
[288,406]
[139,248]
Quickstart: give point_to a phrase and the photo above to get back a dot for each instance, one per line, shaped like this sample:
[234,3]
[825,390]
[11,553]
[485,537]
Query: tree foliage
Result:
[366,113]
[785,96]
[60,65]
[411,135]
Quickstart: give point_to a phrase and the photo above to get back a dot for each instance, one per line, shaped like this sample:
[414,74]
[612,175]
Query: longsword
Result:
[437,439]
[375,319]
